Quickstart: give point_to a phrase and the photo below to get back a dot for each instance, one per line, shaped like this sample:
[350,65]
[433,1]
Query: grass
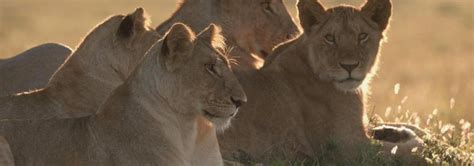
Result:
[444,144]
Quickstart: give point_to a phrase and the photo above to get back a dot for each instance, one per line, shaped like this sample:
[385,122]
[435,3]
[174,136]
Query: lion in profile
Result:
[22,72]
[251,27]
[310,95]
[153,118]
[101,63]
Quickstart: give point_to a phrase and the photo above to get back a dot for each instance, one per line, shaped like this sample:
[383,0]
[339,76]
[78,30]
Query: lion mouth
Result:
[212,115]
[208,114]
[350,79]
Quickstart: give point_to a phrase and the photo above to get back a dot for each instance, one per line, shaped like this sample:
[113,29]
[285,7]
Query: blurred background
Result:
[426,66]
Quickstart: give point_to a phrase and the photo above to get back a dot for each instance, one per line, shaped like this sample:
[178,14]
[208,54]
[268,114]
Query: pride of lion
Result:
[133,95]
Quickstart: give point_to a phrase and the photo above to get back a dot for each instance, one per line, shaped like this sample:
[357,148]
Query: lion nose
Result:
[237,102]
[349,66]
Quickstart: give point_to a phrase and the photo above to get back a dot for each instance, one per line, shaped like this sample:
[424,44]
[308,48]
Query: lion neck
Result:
[83,83]
[138,103]
[290,61]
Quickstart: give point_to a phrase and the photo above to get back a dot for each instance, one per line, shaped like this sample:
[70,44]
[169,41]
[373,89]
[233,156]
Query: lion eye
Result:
[211,68]
[363,37]
[267,7]
[330,39]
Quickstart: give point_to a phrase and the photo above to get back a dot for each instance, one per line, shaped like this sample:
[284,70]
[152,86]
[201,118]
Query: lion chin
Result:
[347,85]
[220,118]
[221,124]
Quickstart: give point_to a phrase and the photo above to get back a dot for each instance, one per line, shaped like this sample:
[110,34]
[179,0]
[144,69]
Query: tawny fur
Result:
[303,98]
[251,27]
[159,116]
[32,68]
[100,63]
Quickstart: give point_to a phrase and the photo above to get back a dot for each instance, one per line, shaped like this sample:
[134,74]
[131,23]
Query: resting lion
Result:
[151,119]
[22,72]
[100,63]
[311,92]
[251,27]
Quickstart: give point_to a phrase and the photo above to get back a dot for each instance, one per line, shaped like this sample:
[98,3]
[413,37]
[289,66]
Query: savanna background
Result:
[426,65]
[426,74]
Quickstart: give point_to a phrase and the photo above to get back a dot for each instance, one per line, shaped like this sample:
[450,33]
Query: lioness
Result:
[21,72]
[149,120]
[101,63]
[311,91]
[251,27]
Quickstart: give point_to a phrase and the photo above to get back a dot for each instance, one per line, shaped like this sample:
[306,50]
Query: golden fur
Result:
[100,63]
[251,27]
[303,99]
[32,68]
[159,116]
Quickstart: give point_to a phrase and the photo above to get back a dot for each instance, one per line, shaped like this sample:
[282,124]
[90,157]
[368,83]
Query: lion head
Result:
[111,50]
[251,27]
[262,24]
[346,40]
[194,70]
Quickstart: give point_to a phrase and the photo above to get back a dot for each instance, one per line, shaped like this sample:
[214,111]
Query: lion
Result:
[151,119]
[251,27]
[23,71]
[101,63]
[310,95]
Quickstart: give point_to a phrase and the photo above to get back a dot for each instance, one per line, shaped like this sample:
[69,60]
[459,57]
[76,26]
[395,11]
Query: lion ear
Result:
[133,24]
[211,35]
[310,13]
[178,46]
[379,11]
